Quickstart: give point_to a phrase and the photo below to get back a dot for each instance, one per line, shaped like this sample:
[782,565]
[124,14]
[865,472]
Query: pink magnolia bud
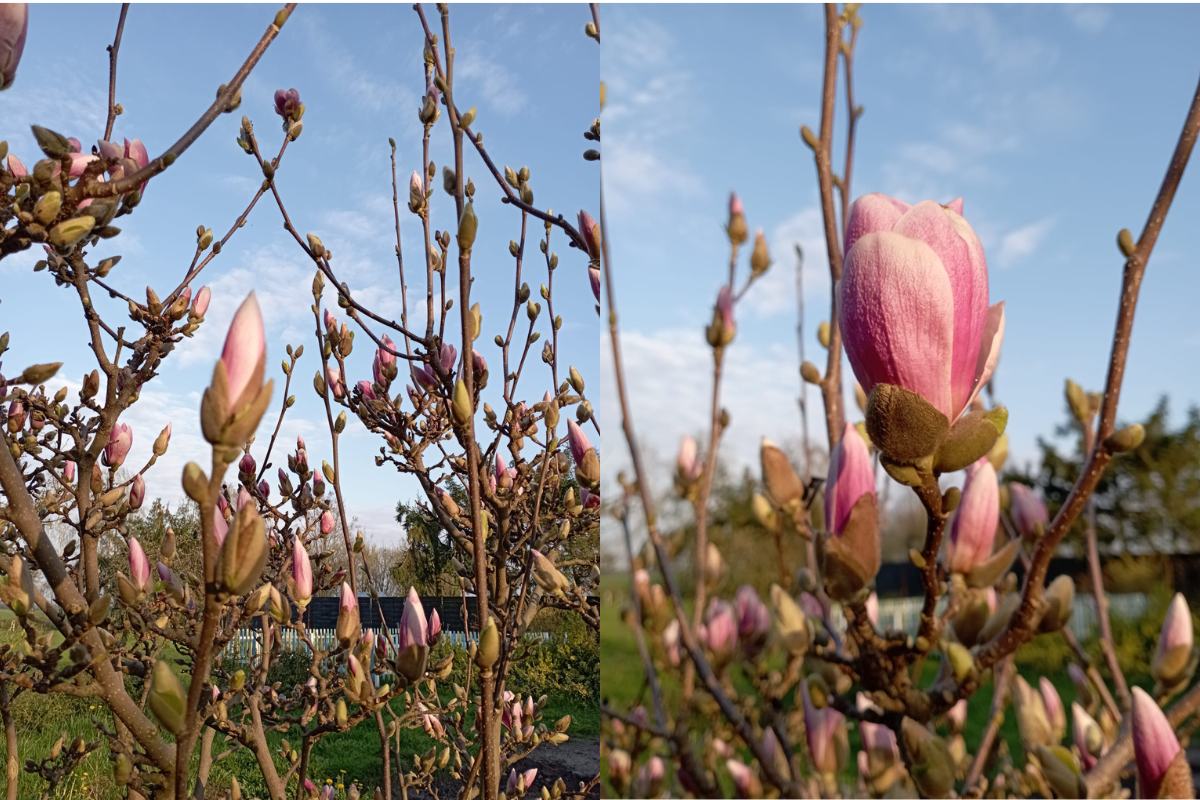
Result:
[365,390]
[201,301]
[447,357]
[17,415]
[1054,707]
[220,526]
[327,522]
[416,189]
[725,311]
[120,439]
[873,608]
[137,492]
[578,441]
[302,579]
[335,381]
[244,355]
[1154,744]
[594,280]
[435,627]
[850,477]
[287,102]
[16,167]
[139,565]
[247,465]
[974,527]
[264,489]
[1028,509]
[820,728]
[670,642]
[1174,653]
[753,619]
[735,205]
[687,462]
[1086,734]
[590,230]
[243,498]
[914,302]
[414,628]
[721,630]
[69,471]
[958,715]
[14,25]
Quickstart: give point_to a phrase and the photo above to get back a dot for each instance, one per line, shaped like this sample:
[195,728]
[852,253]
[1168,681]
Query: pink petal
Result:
[897,313]
[956,205]
[973,530]
[962,255]
[989,351]
[850,477]
[1154,742]
[245,345]
[870,213]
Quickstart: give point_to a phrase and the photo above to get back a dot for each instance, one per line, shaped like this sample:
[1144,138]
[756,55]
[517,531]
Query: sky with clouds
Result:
[531,73]
[1055,123]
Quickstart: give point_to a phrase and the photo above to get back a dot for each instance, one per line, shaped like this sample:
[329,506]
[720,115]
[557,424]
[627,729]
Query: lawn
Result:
[352,755]
[622,679]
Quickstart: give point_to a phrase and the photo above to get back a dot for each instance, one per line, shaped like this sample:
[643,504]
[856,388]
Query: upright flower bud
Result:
[1053,704]
[688,466]
[736,227]
[753,620]
[14,25]
[201,300]
[914,302]
[973,530]
[1161,764]
[590,230]
[587,460]
[348,627]
[594,280]
[69,471]
[820,728]
[137,492]
[723,328]
[236,398]
[162,441]
[302,578]
[416,192]
[547,576]
[120,439]
[760,258]
[1172,664]
[139,565]
[1087,736]
[720,631]
[414,628]
[335,381]
[327,522]
[852,551]
[1027,508]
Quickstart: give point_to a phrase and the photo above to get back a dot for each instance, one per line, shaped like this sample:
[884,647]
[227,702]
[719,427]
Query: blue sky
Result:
[529,70]
[1055,123]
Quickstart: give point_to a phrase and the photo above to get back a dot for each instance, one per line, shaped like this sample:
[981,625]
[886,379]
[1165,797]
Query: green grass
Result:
[350,756]
[622,680]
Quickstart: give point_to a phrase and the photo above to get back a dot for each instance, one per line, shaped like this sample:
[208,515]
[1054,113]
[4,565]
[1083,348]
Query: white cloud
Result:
[1019,243]
[1088,18]
[489,80]
[775,293]
[669,376]
[369,88]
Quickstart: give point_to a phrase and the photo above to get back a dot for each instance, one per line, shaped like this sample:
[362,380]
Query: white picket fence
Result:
[247,643]
[904,613]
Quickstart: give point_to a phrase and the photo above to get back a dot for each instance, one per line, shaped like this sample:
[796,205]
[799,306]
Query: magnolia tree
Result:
[146,642]
[770,688]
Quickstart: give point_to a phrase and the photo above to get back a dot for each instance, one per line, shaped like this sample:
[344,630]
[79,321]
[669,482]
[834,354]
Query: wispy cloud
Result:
[1020,243]
[1088,18]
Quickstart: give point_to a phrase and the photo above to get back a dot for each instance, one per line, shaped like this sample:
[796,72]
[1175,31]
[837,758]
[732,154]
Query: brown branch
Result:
[1020,627]
[113,50]
[226,98]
